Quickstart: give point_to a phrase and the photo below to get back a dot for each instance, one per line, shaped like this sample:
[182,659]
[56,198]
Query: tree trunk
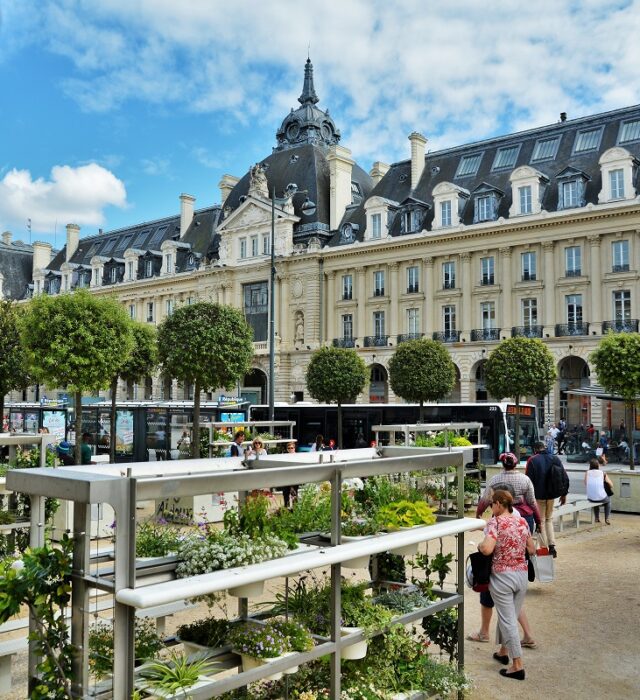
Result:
[1,413]
[339,425]
[516,441]
[78,403]
[630,436]
[112,421]
[195,437]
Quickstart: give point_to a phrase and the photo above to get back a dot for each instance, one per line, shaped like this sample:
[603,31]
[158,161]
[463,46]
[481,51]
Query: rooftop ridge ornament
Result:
[308,95]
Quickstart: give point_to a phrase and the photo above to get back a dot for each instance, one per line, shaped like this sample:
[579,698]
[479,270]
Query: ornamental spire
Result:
[308,91]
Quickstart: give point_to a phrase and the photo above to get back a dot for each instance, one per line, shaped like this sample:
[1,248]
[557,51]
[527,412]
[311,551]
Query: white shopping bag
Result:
[543,563]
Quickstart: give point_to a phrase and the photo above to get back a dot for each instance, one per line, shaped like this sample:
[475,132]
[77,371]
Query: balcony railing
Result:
[526,332]
[449,285]
[447,336]
[573,273]
[487,280]
[528,276]
[578,328]
[412,289]
[627,326]
[376,341]
[403,337]
[485,334]
[347,296]
[344,342]
[620,268]
[378,292]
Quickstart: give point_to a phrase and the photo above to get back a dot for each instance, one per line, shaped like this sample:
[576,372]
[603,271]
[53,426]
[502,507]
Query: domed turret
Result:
[308,123]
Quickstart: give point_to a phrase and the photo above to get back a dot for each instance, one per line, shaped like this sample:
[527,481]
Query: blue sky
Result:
[112,108]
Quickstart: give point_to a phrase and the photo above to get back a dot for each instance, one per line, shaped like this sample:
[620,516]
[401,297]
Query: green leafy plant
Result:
[311,512]
[439,564]
[147,645]
[177,673]
[253,518]
[298,635]
[381,490]
[208,632]
[401,601]
[405,514]
[442,629]
[391,567]
[359,527]
[156,539]
[6,517]
[259,641]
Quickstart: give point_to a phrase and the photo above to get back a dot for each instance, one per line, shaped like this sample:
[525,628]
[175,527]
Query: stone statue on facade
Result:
[258,181]
[299,334]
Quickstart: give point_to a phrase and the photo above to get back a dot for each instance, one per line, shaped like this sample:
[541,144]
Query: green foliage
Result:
[41,580]
[13,370]
[520,367]
[391,567]
[311,512]
[421,370]
[208,632]
[617,364]
[252,518]
[442,629]
[336,375]
[176,674]
[147,645]
[143,357]
[438,440]
[358,527]
[438,564]
[405,514]
[156,539]
[259,641]
[402,601]
[298,635]
[381,490]
[205,344]
[76,340]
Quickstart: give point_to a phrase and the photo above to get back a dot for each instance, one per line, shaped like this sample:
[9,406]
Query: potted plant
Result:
[147,645]
[259,644]
[356,529]
[176,676]
[404,515]
[298,636]
[156,539]
[209,633]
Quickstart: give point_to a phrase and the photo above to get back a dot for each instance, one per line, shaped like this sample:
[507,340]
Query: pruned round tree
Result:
[13,371]
[617,364]
[77,341]
[336,375]
[207,345]
[520,367]
[421,370]
[141,362]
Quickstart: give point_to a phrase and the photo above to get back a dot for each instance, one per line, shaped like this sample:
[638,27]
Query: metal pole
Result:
[272,310]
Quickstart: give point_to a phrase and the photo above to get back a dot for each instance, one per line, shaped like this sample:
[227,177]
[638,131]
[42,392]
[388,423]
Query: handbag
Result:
[479,571]
[531,571]
[543,565]
[607,489]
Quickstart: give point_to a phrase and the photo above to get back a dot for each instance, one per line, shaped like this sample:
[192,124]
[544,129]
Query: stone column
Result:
[467,300]
[394,296]
[549,289]
[429,310]
[361,291]
[330,308]
[507,296]
[596,286]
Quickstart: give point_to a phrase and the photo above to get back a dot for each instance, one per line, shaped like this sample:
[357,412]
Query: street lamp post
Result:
[308,208]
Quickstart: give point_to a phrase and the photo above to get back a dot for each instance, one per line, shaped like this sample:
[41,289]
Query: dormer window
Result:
[113,275]
[130,271]
[410,221]
[545,149]
[629,132]
[448,202]
[445,213]
[505,158]
[527,190]
[486,202]
[572,185]
[468,165]
[376,226]
[587,140]
[484,208]
[148,268]
[618,169]
[379,213]
[169,263]
[569,194]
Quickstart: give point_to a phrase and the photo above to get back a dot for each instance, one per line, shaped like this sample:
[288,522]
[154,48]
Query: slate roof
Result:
[16,260]
[442,166]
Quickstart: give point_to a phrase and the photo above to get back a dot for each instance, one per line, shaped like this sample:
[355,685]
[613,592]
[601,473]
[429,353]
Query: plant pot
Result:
[248,590]
[407,550]
[354,651]
[192,647]
[250,662]
[293,669]
[358,562]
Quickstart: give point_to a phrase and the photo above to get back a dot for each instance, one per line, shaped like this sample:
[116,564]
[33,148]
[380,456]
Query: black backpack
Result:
[557,479]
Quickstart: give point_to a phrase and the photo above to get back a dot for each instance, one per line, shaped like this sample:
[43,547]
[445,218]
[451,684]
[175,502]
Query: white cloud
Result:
[456,71]
[155,166]
[70,195]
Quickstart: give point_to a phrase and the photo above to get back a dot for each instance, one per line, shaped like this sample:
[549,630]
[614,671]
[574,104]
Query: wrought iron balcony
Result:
[620,268]
[487,280]
[579,328]
[376,341]
[573,273]
[347,296]
[485,334]
[403,337]
[344,342]
[449,285]
[627,326]
[412,289]
[378,292]
[528,276]
[526,332]
[447,336]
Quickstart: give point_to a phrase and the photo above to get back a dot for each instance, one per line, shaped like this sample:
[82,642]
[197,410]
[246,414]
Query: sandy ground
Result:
[586,624]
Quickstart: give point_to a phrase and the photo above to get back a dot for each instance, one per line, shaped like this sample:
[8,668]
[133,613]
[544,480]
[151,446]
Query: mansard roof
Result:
[577,144]
[16,259]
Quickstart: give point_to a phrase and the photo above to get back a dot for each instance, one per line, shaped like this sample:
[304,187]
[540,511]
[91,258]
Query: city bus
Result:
[498,419]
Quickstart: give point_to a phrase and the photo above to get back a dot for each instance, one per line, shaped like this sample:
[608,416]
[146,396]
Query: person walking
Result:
[507,537]
[596,482]
[237,448]
[539,470]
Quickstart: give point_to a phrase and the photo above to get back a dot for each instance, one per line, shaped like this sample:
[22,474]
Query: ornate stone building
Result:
[534,233]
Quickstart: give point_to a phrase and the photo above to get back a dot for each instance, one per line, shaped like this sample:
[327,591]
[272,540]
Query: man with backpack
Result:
[550,481]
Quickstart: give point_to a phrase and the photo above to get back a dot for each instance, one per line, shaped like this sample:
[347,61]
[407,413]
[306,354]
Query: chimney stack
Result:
[73,238]
[378,171]
[563,116]
[41,256]
[418,143]
[6,237]
[340,170]
[186,212]
[226,184]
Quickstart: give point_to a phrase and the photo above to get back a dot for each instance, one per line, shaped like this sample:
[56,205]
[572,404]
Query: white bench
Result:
[575,509]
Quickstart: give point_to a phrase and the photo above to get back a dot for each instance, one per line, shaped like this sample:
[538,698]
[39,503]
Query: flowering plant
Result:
[298,635]
[156,539]
[359,527]
[259,641]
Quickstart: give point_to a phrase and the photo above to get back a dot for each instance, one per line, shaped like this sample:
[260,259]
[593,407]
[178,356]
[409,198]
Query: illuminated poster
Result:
[54,421]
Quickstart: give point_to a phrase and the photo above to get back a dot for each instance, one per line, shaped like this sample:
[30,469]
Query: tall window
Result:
[169,265]
[570,194]
[484,208]
[573,261]
[96,276]
[347,326]
[448,319]
[148,268]
[150,310]
[255,302]
[487,270]
[448,275]
[254,246]
[347,286]
[130,270]
[266,245]
[376,225]
[525,199]
[378,283]
[412,321]
[412,280]
[616,180]
[243,248]
[132,311]
[445,212]
[622,305]
[528,266]
[529,312]
[574,308]
[170,306]
[378,323]
[620,256]
[114,275]
[488,313]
